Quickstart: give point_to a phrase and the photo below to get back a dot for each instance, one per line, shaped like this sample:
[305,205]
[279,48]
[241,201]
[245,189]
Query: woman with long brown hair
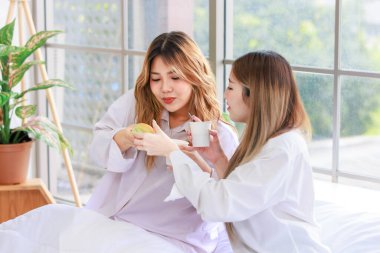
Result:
[266,194]
[175,80]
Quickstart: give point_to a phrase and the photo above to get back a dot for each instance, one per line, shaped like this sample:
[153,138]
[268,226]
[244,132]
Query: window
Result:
[333,47]
[101,53]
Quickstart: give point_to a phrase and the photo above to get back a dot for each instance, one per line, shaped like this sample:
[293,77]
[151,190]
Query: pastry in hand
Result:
[142,128]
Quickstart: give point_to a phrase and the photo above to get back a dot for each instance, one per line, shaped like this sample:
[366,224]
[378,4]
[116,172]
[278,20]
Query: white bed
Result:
[62,228]
[346,231]
[349,217]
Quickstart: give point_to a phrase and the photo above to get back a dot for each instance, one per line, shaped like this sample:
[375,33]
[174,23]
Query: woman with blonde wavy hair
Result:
[175,82]
[266,194]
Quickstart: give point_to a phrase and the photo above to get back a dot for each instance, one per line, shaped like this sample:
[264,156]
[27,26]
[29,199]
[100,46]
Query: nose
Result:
[166,86]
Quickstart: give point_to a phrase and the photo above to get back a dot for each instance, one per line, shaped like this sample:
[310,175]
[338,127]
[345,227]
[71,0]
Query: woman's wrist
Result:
[172,149]
[121,142]
[221,160]
[221,165]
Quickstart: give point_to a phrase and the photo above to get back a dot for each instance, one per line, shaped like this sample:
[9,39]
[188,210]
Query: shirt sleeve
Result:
[229,141]
[228,138]
[248,190]
[103,149]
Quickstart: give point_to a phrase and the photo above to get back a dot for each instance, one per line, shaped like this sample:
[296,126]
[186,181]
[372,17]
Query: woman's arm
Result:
[124,138]
[198,159]
[228,140]
[223,143]
[221,166]
[107,148]
[248,190]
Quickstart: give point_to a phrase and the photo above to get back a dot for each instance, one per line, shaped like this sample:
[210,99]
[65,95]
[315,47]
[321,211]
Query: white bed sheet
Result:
[347,231]
[65,229]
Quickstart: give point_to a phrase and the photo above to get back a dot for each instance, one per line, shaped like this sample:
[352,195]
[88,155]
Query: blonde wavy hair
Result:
[270,91]
[180,52]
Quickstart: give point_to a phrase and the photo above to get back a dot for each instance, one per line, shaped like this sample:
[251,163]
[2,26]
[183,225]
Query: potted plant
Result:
[16,141]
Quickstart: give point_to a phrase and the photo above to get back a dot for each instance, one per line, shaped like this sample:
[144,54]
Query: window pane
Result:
[90,23]
[147,19]
[302,31]
[360,35]
[96,78]
[97,81]
[360,126]
[201,25]
[133,68]
[101,77]
[87,174]
[317,94]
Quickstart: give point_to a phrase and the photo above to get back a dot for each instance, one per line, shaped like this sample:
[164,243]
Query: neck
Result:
[179,117]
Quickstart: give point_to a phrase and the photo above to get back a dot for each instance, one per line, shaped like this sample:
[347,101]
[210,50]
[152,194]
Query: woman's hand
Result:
[197,158]
[157,144]
[124,138]
[213,152]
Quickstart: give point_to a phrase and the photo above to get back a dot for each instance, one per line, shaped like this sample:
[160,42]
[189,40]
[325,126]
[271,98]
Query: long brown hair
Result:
[180,52]
[271,93]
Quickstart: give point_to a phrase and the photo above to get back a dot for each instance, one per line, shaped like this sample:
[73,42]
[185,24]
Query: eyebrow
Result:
[229,80]
[156,73]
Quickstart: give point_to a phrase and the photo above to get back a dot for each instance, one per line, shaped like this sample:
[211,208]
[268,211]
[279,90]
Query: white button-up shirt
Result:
[269,199]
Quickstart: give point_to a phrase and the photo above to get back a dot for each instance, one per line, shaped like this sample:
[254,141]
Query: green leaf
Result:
[39,39]
[19,57]
[3,83]
[18,74]
[4,67]
[6,33]
[26,111]
[41,128]
[5,50]
[35,42]
[46,85]
[4,97]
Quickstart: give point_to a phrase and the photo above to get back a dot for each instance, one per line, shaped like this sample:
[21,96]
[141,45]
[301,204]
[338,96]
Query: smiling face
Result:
[237,108]
[170,90]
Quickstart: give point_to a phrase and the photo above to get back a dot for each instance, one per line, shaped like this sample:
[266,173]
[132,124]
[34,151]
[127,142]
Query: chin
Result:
[232,117]
[170,108]
[236,119]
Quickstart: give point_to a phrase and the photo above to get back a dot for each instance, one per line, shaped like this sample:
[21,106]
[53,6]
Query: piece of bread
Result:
[142,128]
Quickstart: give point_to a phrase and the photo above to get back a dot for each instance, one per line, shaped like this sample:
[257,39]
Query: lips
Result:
[168,100]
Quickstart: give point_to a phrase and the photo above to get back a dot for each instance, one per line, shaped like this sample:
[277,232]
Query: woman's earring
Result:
[247,92]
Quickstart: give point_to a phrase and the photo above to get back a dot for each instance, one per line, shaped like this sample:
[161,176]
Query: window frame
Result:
[337,72]
[220,57]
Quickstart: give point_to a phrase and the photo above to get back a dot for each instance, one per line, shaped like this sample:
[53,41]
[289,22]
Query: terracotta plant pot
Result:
[14,162]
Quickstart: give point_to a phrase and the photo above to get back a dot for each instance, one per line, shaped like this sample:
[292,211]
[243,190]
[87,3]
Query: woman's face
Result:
[238,110]
[172,92]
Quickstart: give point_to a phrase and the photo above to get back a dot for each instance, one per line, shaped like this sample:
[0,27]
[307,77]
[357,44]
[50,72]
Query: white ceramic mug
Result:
[200,133]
